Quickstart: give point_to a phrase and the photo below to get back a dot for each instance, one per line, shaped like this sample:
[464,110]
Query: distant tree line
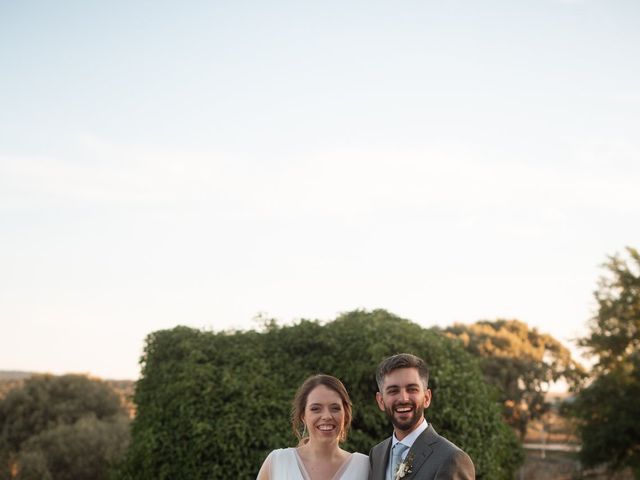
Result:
[521,363]
[61,428]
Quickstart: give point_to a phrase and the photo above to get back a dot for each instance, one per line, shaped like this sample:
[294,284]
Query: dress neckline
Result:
[337,475]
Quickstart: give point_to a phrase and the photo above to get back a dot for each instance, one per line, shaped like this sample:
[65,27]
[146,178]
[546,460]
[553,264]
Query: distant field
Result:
[559,465]
[14,379]
[14,375]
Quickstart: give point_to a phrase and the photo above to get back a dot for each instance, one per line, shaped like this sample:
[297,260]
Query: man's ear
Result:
[380,401]
[427,398]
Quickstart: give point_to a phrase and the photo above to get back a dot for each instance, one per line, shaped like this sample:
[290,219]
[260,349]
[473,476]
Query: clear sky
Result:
[202,162]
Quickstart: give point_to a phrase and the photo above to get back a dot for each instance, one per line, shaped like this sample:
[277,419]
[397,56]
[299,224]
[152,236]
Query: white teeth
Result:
[325,428]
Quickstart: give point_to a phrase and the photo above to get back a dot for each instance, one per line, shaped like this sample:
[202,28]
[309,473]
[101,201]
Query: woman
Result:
[323,409]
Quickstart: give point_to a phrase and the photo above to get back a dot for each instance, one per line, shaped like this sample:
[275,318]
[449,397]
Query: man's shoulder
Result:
[435,440]
[446,453]
[380,447]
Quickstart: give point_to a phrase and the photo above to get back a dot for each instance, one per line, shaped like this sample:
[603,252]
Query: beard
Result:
[408,423]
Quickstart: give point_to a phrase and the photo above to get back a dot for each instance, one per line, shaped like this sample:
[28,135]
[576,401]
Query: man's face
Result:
[404,399]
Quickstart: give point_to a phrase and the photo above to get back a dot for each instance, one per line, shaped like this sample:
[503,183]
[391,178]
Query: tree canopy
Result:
[521,362]
[66,427]
[608,409]
[211,405]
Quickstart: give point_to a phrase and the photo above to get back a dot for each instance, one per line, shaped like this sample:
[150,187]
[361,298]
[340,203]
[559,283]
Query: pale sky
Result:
[200,163]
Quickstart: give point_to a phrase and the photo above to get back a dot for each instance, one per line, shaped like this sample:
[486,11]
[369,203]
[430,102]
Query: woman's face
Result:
[324,414]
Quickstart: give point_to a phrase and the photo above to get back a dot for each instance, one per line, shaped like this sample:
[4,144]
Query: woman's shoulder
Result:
[359,457]
[358,467]
[282,452]
[280,463]
[359,460]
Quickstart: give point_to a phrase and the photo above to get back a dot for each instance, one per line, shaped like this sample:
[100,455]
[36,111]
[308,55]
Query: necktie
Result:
[396,458]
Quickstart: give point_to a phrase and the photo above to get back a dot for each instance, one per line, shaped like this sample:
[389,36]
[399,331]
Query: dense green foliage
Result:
[212,405]
[520,362]
[67,427]
[609,408]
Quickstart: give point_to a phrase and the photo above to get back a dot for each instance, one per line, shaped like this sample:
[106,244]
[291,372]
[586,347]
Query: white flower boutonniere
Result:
[405,467]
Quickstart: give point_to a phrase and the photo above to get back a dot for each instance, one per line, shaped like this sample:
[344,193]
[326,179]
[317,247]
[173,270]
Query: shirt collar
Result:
[409,439]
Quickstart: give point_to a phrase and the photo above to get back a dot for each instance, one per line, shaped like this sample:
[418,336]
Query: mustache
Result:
[404,404]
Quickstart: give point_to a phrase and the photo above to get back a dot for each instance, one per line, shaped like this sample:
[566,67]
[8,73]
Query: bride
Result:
[323,409]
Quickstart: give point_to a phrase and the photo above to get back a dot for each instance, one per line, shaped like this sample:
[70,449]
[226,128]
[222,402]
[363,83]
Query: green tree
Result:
[66,427]
[608,409]
[212,405]
[520,362]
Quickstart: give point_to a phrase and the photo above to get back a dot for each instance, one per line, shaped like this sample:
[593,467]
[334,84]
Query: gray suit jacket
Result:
[434,458]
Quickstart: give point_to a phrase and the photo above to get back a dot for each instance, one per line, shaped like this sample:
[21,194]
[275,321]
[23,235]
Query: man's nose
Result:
[404,395]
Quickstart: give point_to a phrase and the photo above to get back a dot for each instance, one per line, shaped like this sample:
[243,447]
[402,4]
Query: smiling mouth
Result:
[326,428]
[403,410]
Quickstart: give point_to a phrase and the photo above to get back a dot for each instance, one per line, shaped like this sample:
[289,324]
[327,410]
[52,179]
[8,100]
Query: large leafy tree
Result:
[609,408]
[61,427]
[212,405]
[521,362]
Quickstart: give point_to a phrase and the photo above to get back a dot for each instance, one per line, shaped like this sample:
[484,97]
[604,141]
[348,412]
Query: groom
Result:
[415,450]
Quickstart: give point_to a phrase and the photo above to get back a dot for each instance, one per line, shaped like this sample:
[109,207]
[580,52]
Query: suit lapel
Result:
[422,450]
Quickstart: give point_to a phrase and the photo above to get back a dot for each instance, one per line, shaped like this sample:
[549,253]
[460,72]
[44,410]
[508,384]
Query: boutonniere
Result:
[405,467]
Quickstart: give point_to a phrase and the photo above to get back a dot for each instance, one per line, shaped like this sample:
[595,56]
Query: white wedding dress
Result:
[286,464]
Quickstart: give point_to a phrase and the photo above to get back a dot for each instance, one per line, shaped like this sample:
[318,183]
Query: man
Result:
[415,450]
